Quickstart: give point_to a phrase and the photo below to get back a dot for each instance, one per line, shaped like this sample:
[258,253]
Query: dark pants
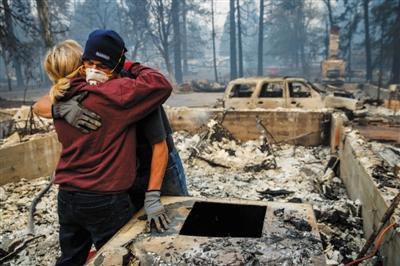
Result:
[87,219]
[174,183]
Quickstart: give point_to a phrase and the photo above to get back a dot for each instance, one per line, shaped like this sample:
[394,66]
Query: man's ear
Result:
[82,71]
[114,75]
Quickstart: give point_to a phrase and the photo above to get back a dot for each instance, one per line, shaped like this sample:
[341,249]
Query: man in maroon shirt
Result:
[96,169]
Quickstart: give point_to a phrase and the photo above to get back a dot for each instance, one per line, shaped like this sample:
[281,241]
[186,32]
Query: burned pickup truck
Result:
[284,92]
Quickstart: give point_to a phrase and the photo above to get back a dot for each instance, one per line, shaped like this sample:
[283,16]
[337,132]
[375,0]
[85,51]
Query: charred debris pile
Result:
[20,124]
[230,239]
[22,248]
[218,165]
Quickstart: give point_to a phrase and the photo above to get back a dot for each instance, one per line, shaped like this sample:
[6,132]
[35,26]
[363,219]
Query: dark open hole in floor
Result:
[224,220]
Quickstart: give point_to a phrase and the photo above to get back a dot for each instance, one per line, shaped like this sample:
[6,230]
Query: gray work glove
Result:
[155,211]
[76,115]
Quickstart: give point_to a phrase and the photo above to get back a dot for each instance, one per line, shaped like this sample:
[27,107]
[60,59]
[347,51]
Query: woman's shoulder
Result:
[75,85]
[109,90]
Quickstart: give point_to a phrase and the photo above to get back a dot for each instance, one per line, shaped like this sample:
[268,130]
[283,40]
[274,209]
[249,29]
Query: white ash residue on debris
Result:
[380,111]
[19,125]
[218,166]
[385,174]
[379,159]
[15,200]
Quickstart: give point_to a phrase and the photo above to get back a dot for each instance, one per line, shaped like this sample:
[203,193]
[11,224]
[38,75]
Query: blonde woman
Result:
[75,114]
[161,170]
[96,169]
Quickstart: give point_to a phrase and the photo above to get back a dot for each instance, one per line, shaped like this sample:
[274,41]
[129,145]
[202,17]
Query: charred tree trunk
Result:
[381,60]
[45,26]
[304,63]
[330,14]
[328,26]
[353,28]
[177,41]
[260,40]
[43,13]
[302,39]
[12,45]
[160,34]
[239,27]
[326,39]
[213,41]
[43,75]
[18,72]
[3,54]
[367,41]
[395,72]
[349,61]
[167,61]
[184,38]
[232,34]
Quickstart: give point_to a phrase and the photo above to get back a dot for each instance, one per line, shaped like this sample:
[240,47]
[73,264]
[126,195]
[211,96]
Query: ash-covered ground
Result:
[15,200]
[217,166]
[220,167]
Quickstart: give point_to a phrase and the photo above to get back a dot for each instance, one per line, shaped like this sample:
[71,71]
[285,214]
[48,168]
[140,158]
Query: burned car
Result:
[284,92]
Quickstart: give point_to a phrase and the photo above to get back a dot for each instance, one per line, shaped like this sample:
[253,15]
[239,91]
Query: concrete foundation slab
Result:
[34,158]
[297,126]
[357,162]
[289,235]
[380,132]
[39,157]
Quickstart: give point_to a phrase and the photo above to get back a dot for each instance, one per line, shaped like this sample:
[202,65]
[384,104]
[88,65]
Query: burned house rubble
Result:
[200,132]
[309,186]
[224,169]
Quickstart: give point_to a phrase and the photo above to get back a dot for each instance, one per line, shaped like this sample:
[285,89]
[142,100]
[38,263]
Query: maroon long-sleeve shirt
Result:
[104,161]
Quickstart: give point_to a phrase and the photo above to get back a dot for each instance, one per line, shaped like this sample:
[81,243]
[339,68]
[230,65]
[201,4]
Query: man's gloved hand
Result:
[155,211]
[76,115]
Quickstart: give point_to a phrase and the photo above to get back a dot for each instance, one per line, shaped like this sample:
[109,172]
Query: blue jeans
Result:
[86,219]
[174,183]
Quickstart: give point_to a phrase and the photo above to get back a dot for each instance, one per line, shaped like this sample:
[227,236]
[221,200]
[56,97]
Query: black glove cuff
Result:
[54,112]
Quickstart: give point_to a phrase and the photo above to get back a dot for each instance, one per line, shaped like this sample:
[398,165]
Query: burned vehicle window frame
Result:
[274,93]
[300,93]
[243,90]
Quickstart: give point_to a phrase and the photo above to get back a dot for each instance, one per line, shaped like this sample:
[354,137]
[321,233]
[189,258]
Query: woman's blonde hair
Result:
[62,63]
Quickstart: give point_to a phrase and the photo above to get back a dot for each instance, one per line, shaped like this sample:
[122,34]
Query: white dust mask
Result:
[94,76]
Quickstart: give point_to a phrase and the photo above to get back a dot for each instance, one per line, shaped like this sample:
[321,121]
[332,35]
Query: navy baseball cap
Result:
[107,47]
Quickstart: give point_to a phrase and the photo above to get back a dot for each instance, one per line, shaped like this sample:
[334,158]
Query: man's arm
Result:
[159,161]
[43,107]
[154,133]
[137,97]
[145,86]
